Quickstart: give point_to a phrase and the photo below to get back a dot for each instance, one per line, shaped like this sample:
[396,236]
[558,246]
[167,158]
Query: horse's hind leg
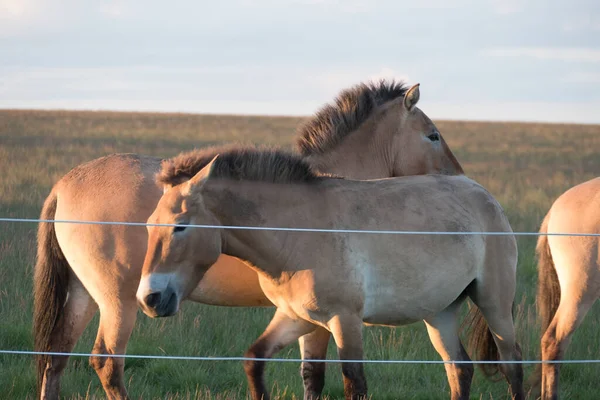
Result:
[314,346]
[282,331]
[574,304]
[116,323]
[77,313]
[497,311]
[443,332]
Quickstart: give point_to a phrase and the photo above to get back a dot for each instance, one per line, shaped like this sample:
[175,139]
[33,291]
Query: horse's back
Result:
[115,188]
[576,211]
[577,208]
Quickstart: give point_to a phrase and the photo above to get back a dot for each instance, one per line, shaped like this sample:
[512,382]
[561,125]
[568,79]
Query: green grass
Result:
[525,166]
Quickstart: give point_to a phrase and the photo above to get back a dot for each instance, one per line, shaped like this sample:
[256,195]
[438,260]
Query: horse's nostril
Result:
[152,299]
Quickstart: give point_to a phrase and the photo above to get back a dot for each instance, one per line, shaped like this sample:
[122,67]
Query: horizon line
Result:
[278,115]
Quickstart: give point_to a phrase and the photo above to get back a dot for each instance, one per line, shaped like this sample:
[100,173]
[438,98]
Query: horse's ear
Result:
[198,180]
[411,98]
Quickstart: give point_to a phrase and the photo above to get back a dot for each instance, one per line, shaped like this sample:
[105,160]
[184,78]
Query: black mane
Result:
[350,109]
[238,163]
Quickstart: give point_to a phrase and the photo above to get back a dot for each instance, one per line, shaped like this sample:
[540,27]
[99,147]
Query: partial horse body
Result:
[339,281]
[371,131]
[568,274]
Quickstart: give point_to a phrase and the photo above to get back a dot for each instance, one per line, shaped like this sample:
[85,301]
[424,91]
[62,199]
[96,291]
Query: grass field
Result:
[525,166]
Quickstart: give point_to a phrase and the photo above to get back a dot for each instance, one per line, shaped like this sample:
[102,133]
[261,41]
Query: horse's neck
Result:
[357,156]
[265,206]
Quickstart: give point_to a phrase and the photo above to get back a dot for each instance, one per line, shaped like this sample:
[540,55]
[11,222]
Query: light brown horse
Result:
[568,273]
[370,131]
[339,281]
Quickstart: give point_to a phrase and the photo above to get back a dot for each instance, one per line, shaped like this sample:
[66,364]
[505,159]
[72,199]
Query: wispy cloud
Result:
[15,9]
[113,9]
[346,6]
[331,82]
[583,77]
[505,7]
[538,111]
[581,23]
[547,53]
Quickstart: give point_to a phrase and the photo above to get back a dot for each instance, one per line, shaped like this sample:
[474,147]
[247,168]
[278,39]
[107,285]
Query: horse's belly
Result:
[396,311]
[389,305]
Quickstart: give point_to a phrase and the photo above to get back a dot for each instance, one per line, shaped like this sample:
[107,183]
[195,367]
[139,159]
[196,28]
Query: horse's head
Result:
[376,131]
[417,146]
[178,256]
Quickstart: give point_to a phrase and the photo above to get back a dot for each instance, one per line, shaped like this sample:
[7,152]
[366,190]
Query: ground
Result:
[525,166]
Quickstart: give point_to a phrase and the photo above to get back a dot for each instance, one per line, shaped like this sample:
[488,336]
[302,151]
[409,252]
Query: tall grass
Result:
[525,166]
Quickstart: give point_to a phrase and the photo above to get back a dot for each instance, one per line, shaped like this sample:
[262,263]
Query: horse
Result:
[568,274]
[371,130]
[319,280]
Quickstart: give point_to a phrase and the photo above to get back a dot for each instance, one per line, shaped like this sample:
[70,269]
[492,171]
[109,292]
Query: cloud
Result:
[582,77]
[505,7]
[108,103]
[333,81]
[15,9]
[582,23]
[574,54]
[345,6]
[555,112]
[113,9]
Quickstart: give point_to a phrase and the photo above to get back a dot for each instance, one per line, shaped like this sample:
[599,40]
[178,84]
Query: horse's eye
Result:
[179,228]
[434,137]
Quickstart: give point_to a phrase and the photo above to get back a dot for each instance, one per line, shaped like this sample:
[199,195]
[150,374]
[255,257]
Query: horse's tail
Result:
[50,284]
[481,342]
[548,290]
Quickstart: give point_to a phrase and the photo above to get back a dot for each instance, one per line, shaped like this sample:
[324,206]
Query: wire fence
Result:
[313,230]
[289,229]
[295,360]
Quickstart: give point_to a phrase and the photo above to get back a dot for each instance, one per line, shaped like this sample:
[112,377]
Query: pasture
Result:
[525,166]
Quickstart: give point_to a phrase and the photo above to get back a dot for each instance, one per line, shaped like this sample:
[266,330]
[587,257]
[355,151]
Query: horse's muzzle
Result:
[160,304]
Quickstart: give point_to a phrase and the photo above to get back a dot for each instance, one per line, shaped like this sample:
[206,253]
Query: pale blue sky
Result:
[532,60]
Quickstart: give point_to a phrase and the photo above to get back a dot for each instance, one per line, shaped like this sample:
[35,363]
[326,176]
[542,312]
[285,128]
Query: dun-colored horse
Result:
[569,273]
[339,281]
[370,131]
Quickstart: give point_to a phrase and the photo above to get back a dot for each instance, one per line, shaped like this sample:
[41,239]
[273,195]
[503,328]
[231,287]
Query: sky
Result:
[512,60]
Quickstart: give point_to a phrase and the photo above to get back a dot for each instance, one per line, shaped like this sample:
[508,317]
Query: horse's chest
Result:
[314,296]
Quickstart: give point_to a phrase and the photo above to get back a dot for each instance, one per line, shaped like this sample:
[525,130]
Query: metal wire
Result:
[296,360]
[315,230]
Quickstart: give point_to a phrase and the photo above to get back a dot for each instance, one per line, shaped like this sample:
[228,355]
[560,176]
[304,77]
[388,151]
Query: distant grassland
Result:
[525,166]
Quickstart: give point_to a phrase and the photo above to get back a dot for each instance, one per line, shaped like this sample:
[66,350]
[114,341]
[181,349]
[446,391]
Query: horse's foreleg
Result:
[574,305]
[116,323]
[347,332]
[314,346]
[282,331]
[77,313]
[443,332]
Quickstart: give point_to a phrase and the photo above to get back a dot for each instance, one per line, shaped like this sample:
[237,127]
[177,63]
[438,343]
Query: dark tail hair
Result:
[548,289]
[50,283]
[481,342]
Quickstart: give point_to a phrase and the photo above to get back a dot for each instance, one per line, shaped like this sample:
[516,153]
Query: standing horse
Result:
[339,281]
[568,274]
[370,131]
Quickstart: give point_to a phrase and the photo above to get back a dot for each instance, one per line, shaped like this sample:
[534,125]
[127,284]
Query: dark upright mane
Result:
[184,166]
[239,163]
[351,108]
